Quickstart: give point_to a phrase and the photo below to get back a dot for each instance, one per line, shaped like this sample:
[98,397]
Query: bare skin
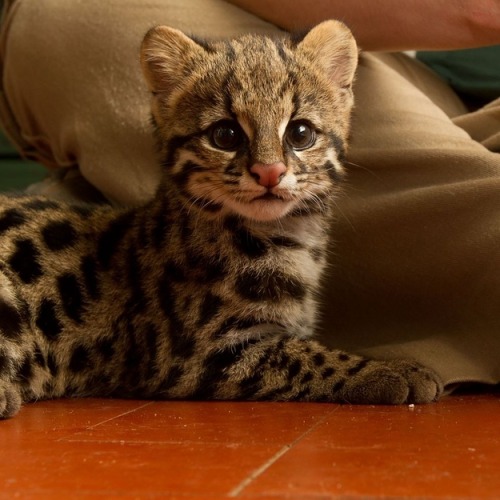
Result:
[392,24]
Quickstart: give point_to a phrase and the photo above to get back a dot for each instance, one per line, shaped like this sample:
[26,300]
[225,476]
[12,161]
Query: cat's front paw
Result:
[393,382]
[10,400]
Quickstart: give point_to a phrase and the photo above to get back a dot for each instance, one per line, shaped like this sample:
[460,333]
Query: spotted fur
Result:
[209,290]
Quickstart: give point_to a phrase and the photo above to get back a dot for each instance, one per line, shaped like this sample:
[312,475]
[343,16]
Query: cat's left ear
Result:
[165,55]
[332,45]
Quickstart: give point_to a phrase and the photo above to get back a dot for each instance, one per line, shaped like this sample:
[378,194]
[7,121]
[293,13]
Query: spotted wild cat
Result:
[209,290]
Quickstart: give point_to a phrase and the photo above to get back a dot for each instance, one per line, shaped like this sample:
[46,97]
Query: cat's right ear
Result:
[165,55]
[332,46]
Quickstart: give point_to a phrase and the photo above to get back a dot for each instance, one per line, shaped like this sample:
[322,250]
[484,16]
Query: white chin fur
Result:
[262,210]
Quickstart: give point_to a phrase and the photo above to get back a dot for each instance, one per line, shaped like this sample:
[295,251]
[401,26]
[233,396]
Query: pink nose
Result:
[268,175]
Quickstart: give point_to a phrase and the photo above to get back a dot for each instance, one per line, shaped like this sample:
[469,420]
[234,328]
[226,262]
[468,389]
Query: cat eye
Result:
[300,135]
[226,135]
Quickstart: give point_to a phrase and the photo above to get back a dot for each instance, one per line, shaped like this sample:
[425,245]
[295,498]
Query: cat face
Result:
[253,126]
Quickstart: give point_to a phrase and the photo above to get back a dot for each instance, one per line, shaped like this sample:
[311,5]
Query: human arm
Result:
[392,24]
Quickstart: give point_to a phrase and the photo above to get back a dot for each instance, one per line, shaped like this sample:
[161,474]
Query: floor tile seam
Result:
[128,412]
[236,492]
[93,426]
[72,439]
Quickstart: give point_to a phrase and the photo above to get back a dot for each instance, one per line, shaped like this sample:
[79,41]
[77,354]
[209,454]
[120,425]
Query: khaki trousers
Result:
[415,261]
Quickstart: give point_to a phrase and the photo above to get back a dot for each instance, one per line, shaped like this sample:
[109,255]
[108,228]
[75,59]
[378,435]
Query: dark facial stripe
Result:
[335,175]
[10,219]
[25,261]
[71,296]
[338,144]
[59,235]
[189,168]
[173,145]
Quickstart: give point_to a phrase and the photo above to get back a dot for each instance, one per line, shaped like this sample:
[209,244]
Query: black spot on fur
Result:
[294,369]
[137,301]
[357,367]
[39,357]
[214,370]
[41,205]
[344,356]
[10,320]
[327,373]
[161,224]
[83,210]
[150,333]
[236,323]
[106,347]
[58,235]
[5,364]
[338,386]
[47,320]
[25,370]
[203,269]
[249,244]
[209,308]
[307,377]
[244,240]
[285,242]
[111,238]
[182,344]
[319,359]
[256,286]
[251,385]
[80,359]
[303,395]
[170,381]
[71,296]
[11,219]
[52,364]
[25,261]
[173,272]
[88,268]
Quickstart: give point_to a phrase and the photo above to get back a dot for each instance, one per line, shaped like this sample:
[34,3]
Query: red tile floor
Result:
[136,449]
